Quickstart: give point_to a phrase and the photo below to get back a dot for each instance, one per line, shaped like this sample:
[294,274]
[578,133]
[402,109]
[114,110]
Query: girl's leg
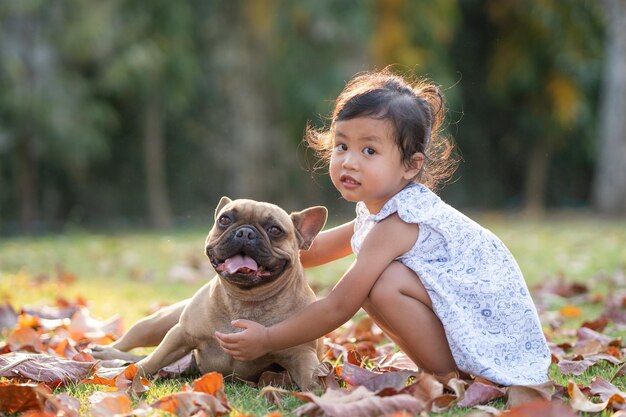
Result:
[401,307]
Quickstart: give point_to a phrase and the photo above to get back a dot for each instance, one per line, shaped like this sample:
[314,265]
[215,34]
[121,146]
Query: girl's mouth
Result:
[348,182]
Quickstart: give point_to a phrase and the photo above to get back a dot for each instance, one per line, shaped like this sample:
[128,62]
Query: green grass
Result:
[130,274]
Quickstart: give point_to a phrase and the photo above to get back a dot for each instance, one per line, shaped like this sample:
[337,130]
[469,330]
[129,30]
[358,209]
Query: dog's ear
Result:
[309,223]
[223,201]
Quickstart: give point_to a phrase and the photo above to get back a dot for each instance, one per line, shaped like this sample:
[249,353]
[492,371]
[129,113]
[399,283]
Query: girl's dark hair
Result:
[416,111]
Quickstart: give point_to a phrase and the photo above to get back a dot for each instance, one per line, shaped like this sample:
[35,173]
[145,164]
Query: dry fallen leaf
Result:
[480,393]
[375,381]
[541,408]
[51,370]
[187,404]
[522,394]
[579,402]
[105,404]
[15,398]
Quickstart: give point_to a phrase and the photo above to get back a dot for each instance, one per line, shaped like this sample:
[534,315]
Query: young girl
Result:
[443,288]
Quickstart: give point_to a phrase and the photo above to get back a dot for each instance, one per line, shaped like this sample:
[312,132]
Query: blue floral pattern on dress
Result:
[476,287]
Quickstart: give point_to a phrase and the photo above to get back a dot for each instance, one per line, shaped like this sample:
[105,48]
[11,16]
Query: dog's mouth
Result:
[243,269]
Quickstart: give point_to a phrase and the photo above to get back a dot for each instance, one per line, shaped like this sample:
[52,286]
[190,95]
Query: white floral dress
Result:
[476,287]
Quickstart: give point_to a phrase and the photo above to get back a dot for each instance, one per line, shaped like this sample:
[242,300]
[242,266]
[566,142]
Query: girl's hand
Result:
[248,344]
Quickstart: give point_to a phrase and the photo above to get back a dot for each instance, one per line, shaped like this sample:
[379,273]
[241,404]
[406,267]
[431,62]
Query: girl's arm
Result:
[328,246]
[387,240]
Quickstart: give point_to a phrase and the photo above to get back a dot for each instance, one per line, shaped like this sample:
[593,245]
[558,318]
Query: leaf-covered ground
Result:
[46,350]
[56,296]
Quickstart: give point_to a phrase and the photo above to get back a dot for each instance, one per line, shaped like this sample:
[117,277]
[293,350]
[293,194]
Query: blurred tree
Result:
[250,151]
[540,70]
[609,193]
[423,48]
[51,117]
[155,67]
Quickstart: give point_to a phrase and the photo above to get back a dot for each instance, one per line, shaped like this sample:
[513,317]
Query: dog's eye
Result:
[224,220]
[274,231]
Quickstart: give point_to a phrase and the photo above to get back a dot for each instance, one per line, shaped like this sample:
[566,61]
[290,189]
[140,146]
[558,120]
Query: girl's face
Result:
[366,164]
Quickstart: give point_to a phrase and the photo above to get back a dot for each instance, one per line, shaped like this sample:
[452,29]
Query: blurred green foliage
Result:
[144,113]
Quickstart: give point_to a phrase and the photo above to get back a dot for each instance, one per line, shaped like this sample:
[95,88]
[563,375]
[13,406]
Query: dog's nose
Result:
[246,233]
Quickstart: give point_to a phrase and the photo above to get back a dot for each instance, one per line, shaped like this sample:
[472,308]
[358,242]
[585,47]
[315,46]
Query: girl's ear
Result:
[417,162]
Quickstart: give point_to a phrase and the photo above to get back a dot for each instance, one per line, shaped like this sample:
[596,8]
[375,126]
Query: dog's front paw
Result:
[109,353]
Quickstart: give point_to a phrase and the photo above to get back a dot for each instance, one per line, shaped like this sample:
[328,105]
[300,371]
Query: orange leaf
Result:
[83,357]
[210,383]
[25,338]
[541,408]
[15,398]
[105,404]
[26,320]
[130,371]
[570,311]
[65,349]
[169,404]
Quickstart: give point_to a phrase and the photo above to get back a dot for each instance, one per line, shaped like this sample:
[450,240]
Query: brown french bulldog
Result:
[254,248]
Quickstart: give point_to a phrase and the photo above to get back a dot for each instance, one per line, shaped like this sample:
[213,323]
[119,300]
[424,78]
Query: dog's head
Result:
[254,243]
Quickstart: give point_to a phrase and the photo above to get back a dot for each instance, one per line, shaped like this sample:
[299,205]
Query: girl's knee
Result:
[389,284]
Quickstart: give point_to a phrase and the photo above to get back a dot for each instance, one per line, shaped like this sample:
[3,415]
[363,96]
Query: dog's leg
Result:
[300,362]
[174,346]
[147,332]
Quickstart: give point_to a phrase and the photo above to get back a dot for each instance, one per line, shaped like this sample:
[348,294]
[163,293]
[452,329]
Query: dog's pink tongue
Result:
[237,262]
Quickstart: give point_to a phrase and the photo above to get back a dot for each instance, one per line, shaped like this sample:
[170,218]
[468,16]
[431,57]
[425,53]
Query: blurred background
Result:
[120,113]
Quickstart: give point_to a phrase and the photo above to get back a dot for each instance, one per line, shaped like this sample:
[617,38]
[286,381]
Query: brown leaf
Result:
[521,394]
[63,405]
[325,374]
[428,390]
[182,367]
[15,398]
[579,402]
[374,381]
[603,388]
[25,338]
[187,404]
[356,403]
[598,325]
[541,408]
[575,367]
[585,334]
[603,357]
[480,393]
[51,370]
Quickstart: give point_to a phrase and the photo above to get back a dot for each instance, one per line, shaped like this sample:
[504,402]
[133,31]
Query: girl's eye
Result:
[369,151]
[274,231]
[341,147]
[224,220]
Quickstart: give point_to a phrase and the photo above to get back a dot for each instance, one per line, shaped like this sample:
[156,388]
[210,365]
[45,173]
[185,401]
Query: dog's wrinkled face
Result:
[253,243]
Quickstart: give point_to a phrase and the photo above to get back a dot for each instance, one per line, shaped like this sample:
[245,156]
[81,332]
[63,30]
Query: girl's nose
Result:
[349,161]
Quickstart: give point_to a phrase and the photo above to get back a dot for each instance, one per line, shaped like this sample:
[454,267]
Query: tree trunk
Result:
[25,184]
[154,165]
[609,189]
[536,180]
[254,152]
